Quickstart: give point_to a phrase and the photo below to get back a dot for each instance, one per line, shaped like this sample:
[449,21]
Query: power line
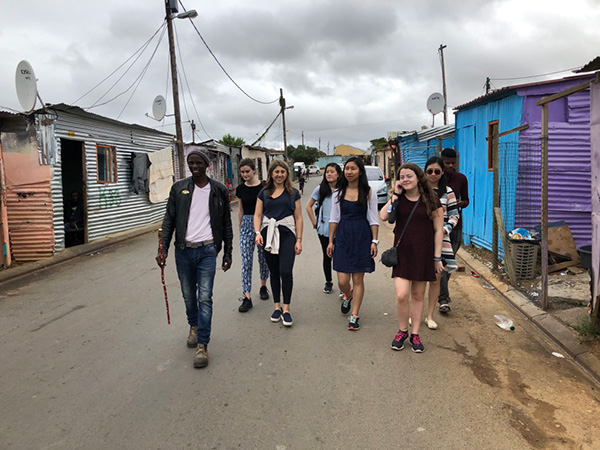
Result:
[141,49]
[223,68]
[368,124]
[536,76]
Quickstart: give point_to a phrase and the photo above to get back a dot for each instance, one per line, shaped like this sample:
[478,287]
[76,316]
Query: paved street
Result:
[88,361]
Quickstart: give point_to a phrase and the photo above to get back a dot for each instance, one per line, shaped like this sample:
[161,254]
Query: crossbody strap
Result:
[407,221]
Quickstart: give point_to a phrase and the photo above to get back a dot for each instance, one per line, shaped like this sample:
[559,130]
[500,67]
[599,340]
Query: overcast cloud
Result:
[353,70]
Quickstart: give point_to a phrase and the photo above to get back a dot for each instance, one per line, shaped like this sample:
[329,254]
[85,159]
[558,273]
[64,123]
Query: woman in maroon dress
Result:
[419,251]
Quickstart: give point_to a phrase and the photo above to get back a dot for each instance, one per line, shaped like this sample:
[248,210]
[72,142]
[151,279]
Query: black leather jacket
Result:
[178,210]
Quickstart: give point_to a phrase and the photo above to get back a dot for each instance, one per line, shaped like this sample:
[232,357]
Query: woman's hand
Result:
[373,250]
[398,187]
[439,267]
[330,250]
[298,247]
[259,240]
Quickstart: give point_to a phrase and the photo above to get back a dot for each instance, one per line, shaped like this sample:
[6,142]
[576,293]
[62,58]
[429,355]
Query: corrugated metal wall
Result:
[111,207]
[471,131]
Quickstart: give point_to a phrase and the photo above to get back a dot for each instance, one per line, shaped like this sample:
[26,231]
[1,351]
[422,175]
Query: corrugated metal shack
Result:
[419,146]
[569,183]
[51,153]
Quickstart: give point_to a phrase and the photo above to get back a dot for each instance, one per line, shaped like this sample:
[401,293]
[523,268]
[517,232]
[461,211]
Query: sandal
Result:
[430,324]
[444,308]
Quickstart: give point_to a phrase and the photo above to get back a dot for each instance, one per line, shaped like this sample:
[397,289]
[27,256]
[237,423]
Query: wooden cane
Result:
[162,273]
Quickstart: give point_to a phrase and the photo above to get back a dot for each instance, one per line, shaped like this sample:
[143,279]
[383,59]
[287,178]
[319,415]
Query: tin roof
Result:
[592,66]
[508,90]
[432,133]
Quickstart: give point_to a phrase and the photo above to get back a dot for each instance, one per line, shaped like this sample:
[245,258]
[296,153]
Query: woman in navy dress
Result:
[419,251]
[353,231]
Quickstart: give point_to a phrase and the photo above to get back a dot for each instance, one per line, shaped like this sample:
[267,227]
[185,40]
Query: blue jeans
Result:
[196,268]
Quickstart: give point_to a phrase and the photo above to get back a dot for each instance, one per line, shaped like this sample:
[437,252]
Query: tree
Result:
[307,155]
[231,141]
[379,143]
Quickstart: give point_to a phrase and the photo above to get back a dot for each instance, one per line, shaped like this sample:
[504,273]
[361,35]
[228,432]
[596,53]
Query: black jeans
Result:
[456,239]
[326,259]
[282,265]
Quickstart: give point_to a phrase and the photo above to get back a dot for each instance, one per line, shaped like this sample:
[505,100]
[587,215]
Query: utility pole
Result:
[193,132]
[487,85]
[441,50]
[319,144]
[302,138]
[282,105]
[178,132]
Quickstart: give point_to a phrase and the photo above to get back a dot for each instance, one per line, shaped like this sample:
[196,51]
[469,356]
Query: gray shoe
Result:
[192,340]
[201,356]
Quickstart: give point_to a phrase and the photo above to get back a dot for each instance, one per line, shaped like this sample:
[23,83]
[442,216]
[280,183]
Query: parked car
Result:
[300,166]
[314,169]
[378,184]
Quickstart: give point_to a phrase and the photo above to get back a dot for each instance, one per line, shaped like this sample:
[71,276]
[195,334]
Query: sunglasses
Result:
[434,171]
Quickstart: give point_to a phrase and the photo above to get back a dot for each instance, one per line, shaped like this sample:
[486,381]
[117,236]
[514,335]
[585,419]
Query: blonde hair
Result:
[270,184]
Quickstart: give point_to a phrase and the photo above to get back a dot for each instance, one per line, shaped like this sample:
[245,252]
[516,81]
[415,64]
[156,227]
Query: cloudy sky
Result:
[353,70]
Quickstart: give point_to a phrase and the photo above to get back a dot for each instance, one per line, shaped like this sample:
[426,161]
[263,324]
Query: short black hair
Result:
[449,153]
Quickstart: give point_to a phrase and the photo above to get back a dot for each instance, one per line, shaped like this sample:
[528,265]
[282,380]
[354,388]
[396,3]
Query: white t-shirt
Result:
[198,229]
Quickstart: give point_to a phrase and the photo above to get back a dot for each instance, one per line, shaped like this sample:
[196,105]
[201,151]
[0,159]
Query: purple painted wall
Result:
[569,157]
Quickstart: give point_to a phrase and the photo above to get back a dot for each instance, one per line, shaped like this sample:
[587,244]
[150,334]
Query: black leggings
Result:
[282,265]
[326,259]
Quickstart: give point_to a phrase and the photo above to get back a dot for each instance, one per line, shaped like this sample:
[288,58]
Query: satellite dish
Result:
[435,103]
[26,84]
[159,107]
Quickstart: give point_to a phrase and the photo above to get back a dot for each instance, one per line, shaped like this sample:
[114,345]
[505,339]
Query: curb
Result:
[13,273]
[561,334]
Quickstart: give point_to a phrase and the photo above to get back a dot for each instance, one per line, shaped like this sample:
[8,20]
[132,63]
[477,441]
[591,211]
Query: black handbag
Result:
[389,258]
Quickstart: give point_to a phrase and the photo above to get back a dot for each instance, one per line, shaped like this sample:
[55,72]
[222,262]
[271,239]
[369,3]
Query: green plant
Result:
[585,327]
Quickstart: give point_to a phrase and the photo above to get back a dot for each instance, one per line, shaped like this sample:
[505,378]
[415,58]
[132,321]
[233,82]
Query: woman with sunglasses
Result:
[353,232]
[437,180]
[420,222]
[321,197]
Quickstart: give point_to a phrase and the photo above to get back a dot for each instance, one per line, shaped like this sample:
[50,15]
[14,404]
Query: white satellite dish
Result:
[159,107]
[26,84]
[435,103]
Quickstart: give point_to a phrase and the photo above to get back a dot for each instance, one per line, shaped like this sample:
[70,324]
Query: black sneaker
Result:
[353,323]
[246,305]
[398,342]
[276,316]
[415,342]
[346,304]
[445,308]
[286,318]
[264,293]
[328,289]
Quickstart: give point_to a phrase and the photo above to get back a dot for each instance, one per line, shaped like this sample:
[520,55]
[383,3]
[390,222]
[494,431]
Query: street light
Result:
[178,133]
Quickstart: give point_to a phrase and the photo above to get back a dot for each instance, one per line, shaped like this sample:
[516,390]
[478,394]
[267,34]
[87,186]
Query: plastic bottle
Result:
[504,322]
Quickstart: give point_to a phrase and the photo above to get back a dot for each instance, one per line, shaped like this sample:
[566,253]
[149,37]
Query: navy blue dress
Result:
[352,250]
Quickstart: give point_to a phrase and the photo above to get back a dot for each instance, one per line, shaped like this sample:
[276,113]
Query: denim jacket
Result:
[178,210]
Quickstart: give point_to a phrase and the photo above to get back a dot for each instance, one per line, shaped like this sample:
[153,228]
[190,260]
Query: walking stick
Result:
[162,274]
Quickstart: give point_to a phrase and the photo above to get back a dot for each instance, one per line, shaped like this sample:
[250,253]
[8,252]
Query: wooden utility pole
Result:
[282,105]
[302,138]
[441,50]
[178,132]
[488,86]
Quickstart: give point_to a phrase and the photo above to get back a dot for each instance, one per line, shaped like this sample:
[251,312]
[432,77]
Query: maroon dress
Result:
[415,252]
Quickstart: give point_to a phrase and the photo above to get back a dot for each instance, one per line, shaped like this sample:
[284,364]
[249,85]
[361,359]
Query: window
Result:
[492,126]
[106,161]
[374,173]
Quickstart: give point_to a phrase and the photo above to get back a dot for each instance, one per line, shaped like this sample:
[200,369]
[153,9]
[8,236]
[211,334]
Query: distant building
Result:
[348,150]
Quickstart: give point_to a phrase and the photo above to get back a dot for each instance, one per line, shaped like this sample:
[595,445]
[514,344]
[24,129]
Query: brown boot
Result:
[201,356]
[192,340]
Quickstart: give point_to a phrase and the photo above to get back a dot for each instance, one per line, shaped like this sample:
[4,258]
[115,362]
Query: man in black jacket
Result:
[198,213]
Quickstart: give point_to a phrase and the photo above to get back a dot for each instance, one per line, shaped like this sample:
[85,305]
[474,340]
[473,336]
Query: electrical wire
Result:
[142,49]
[537,76]
[267,130]
[188,86]
[223,68]
[96,104]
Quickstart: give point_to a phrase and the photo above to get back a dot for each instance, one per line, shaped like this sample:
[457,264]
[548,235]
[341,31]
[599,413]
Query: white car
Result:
[314,169]
[378,184]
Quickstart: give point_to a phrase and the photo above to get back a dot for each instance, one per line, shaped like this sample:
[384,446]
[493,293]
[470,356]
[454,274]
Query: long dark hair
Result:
[324,188]
[428,195]
[363,182]
[441,189]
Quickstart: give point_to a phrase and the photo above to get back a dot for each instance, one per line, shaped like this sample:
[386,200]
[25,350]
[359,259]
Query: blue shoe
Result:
[276,316]
[287,319]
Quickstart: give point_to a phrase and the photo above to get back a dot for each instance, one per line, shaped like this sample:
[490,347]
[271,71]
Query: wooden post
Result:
[496,198]
[510,269]
[544,293]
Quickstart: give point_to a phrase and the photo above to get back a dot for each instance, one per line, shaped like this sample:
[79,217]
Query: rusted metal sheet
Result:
[30,221]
